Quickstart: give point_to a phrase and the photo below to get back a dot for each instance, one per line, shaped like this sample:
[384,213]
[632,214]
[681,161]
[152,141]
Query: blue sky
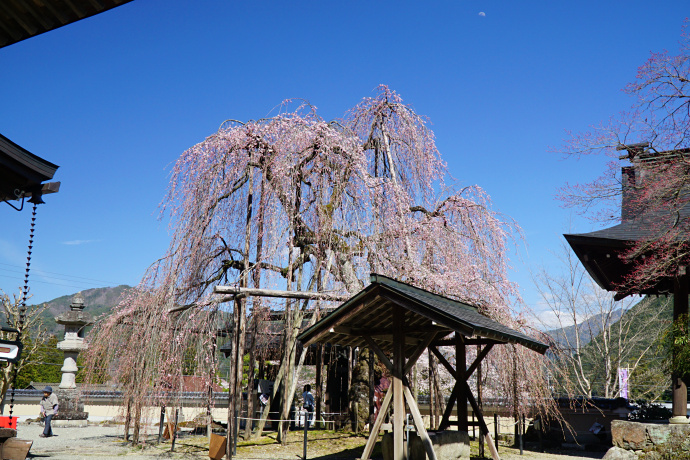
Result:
[116,98]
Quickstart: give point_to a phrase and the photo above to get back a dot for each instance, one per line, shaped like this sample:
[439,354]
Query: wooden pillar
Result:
[371,387]
[460,369]
[398,373]
[319,380]
[679,388]
[479,400]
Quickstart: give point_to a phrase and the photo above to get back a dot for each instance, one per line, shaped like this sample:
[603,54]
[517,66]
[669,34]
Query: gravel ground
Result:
[94,441]
[105,443]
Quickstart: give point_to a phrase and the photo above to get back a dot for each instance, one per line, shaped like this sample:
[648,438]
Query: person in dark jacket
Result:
[49,407]
[308,403]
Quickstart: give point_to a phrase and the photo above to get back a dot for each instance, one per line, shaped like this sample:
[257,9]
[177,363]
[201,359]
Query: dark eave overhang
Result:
[22,19]
[23,174]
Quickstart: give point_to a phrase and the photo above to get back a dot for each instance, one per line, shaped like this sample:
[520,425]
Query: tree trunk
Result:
[256,309]
[288,354]
[128,418]
[265,413]
[251,377]
[137,422]
[229,434]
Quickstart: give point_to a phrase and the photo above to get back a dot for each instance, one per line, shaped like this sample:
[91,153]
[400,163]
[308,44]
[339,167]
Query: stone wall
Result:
[632,438]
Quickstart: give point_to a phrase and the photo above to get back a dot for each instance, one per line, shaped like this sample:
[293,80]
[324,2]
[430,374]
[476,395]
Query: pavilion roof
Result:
[370,314]
[20,20]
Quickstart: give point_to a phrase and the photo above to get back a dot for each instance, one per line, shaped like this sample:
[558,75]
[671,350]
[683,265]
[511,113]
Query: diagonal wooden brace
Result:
[374,433]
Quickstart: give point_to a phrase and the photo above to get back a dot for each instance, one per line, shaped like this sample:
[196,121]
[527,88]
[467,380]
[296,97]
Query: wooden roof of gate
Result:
[370,314]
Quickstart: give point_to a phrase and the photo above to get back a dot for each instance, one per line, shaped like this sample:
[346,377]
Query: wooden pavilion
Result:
[393,318]
[602,252]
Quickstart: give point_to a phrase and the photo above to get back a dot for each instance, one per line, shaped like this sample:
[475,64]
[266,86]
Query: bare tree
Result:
[31,327]
[592,334]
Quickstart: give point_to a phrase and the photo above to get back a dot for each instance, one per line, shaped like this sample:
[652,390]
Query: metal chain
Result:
[25,296]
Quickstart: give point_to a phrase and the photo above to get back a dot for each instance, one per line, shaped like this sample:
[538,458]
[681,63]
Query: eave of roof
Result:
[20,20]
[21,170]
[600,252]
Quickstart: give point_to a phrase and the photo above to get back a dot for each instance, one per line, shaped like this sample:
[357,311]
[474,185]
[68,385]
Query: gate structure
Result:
[400,320]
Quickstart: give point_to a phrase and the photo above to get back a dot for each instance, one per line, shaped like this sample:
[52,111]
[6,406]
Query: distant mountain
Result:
[589,329]
[97,301]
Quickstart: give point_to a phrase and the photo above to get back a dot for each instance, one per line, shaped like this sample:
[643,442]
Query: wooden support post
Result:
[374,433]
[479,395]
[679,388]
[445,420]
[371,386]
[419,423]
[319,381]
[460,371]
[398,366]
[480,419]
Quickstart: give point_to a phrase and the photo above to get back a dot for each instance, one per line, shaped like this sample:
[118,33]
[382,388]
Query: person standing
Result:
[49,407]
[308,405]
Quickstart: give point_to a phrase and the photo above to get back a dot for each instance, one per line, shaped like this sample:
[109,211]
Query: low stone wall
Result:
[630,438]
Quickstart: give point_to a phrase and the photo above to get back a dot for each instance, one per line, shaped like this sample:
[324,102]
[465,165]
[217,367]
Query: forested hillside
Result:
[97,301]
[634,342]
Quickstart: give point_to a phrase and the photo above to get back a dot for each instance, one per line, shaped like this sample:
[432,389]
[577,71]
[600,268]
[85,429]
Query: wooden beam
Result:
[419,423]
[325,325]
[234,290]
[398,365]
[480,341]
[389,338]
[415,307]
[461,373]
[418,352]
[23,24]
[445,420]
[407,329]
[382,356]
[480,418]
[477,361]
[444,361]
[374,433]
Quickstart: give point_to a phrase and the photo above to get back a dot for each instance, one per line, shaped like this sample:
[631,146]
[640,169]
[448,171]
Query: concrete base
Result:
[448,445]
[69,423]
[679,420]
[71,407]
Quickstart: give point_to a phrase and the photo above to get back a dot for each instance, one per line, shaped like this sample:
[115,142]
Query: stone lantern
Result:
[74,320]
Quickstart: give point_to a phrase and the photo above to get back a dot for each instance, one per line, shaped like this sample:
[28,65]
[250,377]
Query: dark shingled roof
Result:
[369,313]
[600,251]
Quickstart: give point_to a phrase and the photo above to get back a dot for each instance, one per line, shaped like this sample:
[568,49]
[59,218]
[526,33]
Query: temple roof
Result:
[23,172]
[600,251]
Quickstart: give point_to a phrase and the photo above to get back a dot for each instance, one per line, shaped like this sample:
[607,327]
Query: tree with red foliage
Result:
[654,189]
[655,132]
